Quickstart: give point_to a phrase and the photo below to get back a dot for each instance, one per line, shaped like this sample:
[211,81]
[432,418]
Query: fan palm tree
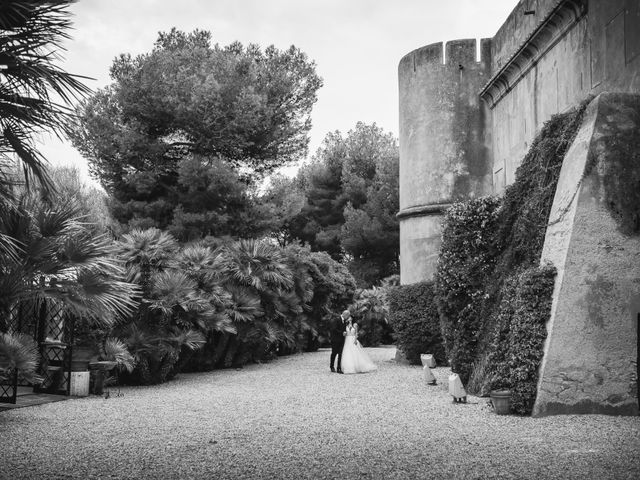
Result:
[260,270]
[31,85]
[58,263]
[144,251]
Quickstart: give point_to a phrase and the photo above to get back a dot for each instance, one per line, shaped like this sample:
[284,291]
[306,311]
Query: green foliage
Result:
[527,202]
[413,315]
[492,297]
[351,190]
[235,303]
[517,341]
[282,201]
[34,92]
[332,286]
[184,130]
[60,260]
[18,353]
[91,201]
[466,260]
[370,312]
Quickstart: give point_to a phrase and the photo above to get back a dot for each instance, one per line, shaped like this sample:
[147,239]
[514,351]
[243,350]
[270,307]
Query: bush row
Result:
[414,318]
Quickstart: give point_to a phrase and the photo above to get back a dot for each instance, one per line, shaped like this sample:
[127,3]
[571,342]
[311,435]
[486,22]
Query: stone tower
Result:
[443,154]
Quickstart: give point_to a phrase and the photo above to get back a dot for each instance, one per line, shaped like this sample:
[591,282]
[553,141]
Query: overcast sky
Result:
[356,44]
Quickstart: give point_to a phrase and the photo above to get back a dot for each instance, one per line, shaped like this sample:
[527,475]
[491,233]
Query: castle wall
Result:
[584,48]
[517,28]
[465,127]
[443,153]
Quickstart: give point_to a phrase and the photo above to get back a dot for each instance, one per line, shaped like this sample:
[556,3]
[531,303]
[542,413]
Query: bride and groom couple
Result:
[345,346]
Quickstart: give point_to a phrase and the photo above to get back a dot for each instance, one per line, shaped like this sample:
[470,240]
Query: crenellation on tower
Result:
[460,52]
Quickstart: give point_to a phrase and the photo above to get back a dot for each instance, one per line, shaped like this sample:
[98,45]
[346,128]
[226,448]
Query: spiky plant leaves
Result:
[115,350]
[172,289]
[190,339]
[59,260]
[93,295]
[31,34]
[150,245]
[220,322]
[257,264]
[245,305]
[18,352]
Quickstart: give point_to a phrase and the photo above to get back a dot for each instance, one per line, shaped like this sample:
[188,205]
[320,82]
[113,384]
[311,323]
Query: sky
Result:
[356,45]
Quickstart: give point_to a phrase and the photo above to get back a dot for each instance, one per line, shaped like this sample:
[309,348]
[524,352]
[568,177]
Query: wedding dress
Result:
[354,358]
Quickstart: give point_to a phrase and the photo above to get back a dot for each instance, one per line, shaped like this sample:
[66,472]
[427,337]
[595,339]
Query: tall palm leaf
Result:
[115,350]
[31,35]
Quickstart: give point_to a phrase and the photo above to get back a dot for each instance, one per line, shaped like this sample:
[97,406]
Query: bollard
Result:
[456,389]
[428,376]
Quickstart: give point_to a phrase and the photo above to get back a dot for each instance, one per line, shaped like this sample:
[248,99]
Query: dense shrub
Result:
[466,260]
[206,306]
[413,315]
[370,311]
[516,347]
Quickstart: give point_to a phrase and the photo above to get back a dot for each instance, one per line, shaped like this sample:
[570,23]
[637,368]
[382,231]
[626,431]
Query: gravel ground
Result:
[294,419]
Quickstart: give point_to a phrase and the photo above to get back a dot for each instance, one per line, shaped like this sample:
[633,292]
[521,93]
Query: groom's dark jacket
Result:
[337,329]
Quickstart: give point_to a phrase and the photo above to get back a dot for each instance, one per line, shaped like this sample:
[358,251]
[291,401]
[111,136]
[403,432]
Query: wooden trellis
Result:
[52,330]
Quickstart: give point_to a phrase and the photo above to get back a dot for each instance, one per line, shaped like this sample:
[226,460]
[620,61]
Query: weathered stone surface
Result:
[590,360]
[599,52]
[443,156]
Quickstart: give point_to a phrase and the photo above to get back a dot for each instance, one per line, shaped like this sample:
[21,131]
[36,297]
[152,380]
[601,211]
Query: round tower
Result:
[443,138]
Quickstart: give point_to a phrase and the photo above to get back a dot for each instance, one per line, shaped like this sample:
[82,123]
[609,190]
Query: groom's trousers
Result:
[336,350]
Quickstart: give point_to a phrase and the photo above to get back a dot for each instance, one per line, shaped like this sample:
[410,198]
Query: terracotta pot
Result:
[501,400]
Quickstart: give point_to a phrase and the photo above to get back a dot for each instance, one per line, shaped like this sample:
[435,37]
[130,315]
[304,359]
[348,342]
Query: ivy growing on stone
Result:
[493,297]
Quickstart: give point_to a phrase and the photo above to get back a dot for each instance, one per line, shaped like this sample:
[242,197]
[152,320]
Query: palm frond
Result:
[150,245]
[190,339]
[93,294]
[245,306]
[31,35]
[19,353]
[171,289]
[115,350]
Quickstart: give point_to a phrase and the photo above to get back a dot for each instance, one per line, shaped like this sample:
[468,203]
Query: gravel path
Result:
[293,419]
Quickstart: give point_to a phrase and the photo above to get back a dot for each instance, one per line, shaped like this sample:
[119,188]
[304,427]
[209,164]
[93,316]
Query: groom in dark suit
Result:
[338,333]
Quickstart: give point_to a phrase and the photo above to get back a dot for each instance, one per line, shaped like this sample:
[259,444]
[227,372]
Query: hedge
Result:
[413,315]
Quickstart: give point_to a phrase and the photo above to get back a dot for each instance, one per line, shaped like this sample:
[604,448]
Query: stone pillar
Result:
[593,239]
[443,154]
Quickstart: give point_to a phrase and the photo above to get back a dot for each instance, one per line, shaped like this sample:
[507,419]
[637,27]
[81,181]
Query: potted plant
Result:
[86,341]
[113,355]
[500,395]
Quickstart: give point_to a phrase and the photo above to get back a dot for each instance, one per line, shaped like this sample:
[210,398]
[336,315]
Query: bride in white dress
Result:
[354,358]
